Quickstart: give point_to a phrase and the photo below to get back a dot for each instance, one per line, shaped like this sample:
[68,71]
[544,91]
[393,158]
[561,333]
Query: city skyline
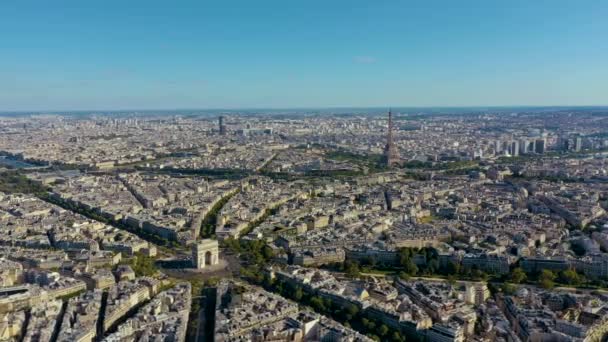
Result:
[299,171]
[305,226]
[116,56]
[375,110]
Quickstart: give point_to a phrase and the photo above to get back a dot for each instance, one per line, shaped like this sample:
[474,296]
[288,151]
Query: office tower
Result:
[563,143]
[540,146]
[522,146]
[578,144]
[391,156]
[497,147]
[531,148]
[222,127]
[506,148]
[515,148]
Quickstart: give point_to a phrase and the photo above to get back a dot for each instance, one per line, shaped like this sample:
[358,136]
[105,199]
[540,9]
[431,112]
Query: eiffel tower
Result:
[391,155]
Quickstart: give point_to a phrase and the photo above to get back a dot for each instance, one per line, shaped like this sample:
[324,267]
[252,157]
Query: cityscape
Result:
[393,226]
[304,171]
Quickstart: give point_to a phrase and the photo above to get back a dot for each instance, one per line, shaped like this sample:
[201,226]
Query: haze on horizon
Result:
[71,55]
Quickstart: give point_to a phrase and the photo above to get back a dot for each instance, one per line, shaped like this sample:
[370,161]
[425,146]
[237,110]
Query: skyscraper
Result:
[540,146]
[578,144]
[497,147]
[391,156]
[514,148]
[222,127]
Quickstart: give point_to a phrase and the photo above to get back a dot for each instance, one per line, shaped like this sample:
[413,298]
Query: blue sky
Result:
[67,55]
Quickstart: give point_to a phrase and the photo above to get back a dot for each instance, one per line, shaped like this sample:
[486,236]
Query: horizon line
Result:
[54,111]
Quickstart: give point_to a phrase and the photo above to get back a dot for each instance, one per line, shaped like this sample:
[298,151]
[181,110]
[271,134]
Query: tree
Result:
[351,269]
[317,303]
[547,279]
[404,276]
[405,255]
[327,303]
[453,268]
[351,311]
[517,276]
[383,330]
[570,277]
[297,294]
[410,267]
[255,275]
[508,289]
[268,281]
[369,324]
[433,266]
[267,252]
[280,288]
[478,274]
[492,288]
[143,265]
[232,244]
[212,281]
[396,337]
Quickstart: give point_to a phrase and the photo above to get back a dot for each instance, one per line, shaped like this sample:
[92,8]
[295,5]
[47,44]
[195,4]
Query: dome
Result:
[522,292]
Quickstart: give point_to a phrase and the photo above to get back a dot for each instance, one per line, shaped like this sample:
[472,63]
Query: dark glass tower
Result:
[222,127]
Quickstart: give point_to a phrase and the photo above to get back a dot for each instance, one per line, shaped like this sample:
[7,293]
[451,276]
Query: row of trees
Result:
[15,182]
[547,278]
[350,315]
[448,166]
[370,161]
[142,265]
[255,254]
[94,215]
[209,222]
[424,262]
[416,262]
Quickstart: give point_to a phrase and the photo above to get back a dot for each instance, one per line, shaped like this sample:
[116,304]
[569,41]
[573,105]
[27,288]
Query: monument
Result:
[205,253]
[391,155]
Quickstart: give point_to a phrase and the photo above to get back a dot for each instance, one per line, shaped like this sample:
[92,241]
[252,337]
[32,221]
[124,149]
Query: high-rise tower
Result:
[221,126]
[391,156]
